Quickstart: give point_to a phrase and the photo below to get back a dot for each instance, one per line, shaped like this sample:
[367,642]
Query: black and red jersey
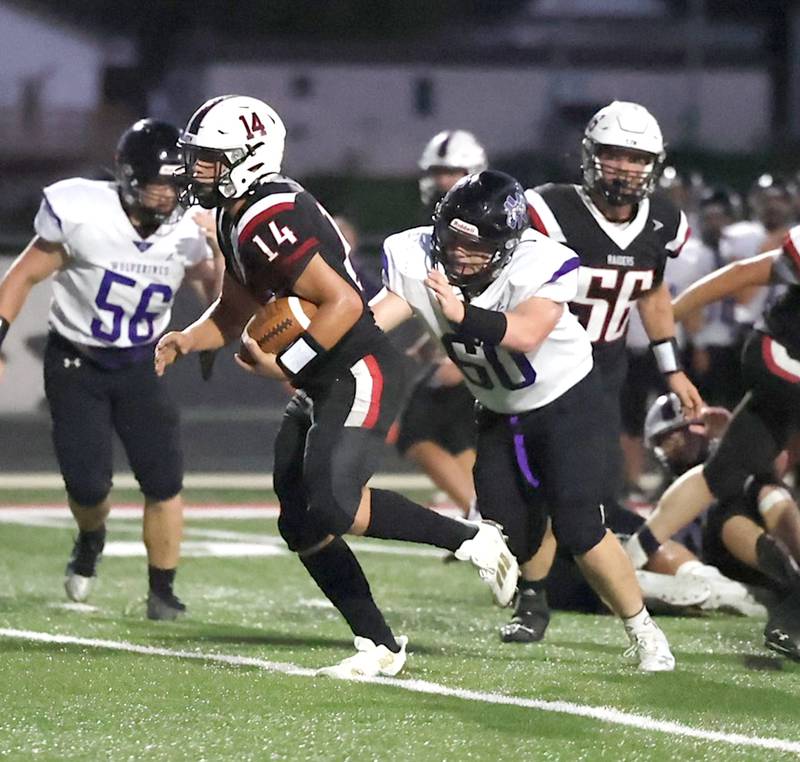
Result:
[782,318]
[269,242]
[619,261]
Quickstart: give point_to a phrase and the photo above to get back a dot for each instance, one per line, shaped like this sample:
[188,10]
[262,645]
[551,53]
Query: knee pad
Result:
[87,491]
[298,532]
[579,537]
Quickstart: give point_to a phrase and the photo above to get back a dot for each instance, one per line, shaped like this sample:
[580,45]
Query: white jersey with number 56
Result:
[502,380]
[117,288]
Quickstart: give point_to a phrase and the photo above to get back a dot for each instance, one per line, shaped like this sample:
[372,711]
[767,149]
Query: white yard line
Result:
[217,542]
[601,713]
[203,480]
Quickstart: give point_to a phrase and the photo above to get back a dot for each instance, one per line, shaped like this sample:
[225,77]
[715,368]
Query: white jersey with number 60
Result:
[117,288]
[502,380]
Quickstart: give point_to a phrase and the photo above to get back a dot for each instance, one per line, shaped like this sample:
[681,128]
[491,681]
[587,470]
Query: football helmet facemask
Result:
[448,150]
[148,154]
[242,137]
[628,126]
[484,214]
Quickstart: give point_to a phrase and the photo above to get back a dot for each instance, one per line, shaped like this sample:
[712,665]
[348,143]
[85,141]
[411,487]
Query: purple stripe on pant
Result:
[519,450]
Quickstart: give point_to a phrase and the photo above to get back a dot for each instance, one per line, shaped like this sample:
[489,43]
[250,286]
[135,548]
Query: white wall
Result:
[361,116]
[69,63]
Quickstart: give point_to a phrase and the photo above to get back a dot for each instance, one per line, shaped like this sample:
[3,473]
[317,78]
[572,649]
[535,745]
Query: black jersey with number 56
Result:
[619,261]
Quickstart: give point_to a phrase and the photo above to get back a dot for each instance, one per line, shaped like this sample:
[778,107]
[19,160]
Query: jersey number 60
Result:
[488,366]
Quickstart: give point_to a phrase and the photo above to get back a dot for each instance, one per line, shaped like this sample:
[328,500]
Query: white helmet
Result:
[243,135]
[449,149]
[628,125]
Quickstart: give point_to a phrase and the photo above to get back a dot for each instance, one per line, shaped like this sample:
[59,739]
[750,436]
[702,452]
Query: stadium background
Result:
[362,86]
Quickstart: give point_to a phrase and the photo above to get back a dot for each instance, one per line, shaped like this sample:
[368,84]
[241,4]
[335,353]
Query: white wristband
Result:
[666,354]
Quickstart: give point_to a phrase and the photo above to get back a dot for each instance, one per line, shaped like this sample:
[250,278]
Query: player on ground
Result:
[494,293]
[278,241]
[118,252]
[762,423]
[624,236]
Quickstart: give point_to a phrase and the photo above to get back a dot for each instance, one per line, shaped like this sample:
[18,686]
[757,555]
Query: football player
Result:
[761,426]
[278,240]
[674,578]
[118,252]
[436,428]
[494,293]
[624,236]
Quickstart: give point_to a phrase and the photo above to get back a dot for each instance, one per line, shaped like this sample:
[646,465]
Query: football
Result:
[277,324]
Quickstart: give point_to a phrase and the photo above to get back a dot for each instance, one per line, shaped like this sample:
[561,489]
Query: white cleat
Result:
[370,661]
[650,646]
[496,564]
[78,587]
[679,591]
[725,594]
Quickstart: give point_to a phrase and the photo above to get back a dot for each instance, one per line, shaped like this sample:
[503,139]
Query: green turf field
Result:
[235,681]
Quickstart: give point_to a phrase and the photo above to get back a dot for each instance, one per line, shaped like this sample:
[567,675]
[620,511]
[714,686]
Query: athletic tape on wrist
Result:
[300,357]
[666,353]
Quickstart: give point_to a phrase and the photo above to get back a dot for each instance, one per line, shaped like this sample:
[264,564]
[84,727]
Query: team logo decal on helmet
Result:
[516,211]
[242,137]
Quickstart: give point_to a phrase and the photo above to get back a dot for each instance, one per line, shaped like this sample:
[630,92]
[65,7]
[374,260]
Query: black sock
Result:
[534,585]
[647,540]
[96,538]
[394,517]
[774,562]
[339,575]
[161,580]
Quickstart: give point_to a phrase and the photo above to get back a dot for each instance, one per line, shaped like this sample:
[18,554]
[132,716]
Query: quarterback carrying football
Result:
[279,241]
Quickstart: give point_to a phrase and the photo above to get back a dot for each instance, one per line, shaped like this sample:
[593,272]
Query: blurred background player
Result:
[437,424]
[624,236]
[118,252]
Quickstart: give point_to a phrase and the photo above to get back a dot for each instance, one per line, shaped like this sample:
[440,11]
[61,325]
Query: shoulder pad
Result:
[77,199]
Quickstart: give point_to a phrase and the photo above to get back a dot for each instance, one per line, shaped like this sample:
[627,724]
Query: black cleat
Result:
[782,633]
[164,607]
[81,571]
[530,620]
